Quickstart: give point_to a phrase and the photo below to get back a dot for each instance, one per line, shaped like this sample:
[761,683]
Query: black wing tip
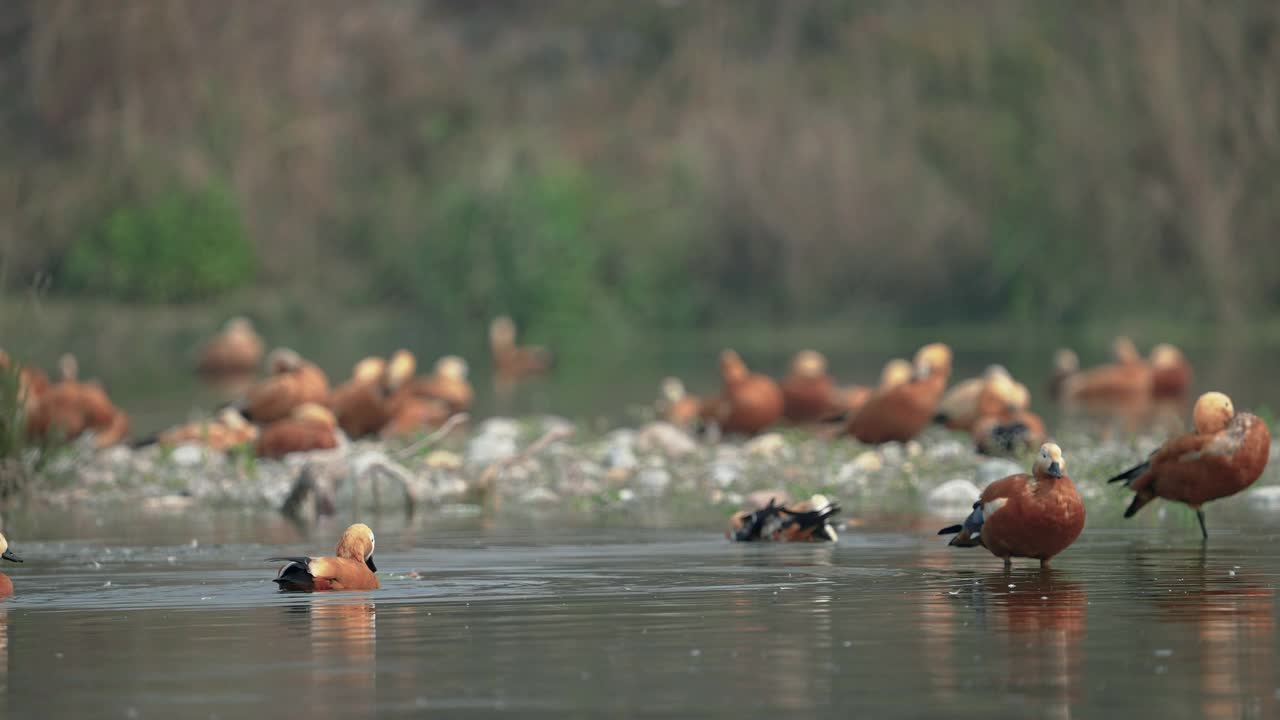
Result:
[951,530]
[940,419]
[1131,473]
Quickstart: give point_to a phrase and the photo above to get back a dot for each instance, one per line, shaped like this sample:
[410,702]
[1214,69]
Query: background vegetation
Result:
[667,164]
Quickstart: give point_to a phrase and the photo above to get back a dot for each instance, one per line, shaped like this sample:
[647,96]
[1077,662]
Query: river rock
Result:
[956,493]
[994,469]
[665,438]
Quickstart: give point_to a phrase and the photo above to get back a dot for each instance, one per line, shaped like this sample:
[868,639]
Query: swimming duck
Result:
[366,403]
[237,348]
[1171,373]
[808,393]
[226,430]
[513,362]
[900,412]
[70,408]
[310,426]
[807,521]
[976,398]
[1128,377]
[749,402]
[292,382]
[1030,516]
[1225,454]
[675,405]
[350,568]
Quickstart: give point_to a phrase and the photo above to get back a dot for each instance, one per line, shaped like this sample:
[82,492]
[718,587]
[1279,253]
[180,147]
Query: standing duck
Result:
[749,402]
[900,412]
[447,383]
[512,362]
[70,408]
[1171,373]
[293,381]
[349,568]
[1030,516]
[1128,377]
[807,390]
[366,403]
[237,349]
[1226,454]
[1065,364]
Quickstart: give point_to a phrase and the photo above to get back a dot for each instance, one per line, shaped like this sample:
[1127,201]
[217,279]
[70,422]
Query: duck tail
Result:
[147,441]
[296,576]
[940,419]
[968,534]
[1129,475]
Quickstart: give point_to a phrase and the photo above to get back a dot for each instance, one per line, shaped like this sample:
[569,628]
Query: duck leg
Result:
[1204,533]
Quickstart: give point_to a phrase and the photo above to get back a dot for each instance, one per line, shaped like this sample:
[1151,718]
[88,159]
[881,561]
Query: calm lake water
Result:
[134,616]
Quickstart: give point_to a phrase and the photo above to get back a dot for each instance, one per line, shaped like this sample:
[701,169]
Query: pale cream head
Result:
[357,543]
[809,363]
[502,332]
[315,412]
[1212,413]
[238,325]
[896,372]
[452,367]
[231,417]
[1049,461]
[1125,351]
[69,367]
[933,359]
[672,389]
[1003,387]
[369,369]
[1065,360]
[1165,355]
[732,369]
[1021,398]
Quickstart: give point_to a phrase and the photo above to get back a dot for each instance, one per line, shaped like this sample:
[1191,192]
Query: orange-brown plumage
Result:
[222,433]
[780,521]
[351,566]
[749,402]
[1171,374]
[411,414]
[1128,376]
[447,383]
[236,349]
[70,408]
[1031,516]
[293,381]
[310,427]
[1225,454]
[512,362]
[900,412]
[676,406]
[809,394]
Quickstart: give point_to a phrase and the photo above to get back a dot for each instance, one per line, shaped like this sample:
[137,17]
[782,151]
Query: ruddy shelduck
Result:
[1171,374]
[236,349]
[32,382]
[1128,377]
[1225,454]
[366,403]
[1065,364]
[749,402]
[226,430]
[293,381]
[310,426]
[1027,516]
[677,406]
[808,392]
[852,398]
[349,568]
[70,408]
[807,521]
[5,552]
[512,362]
[447,382]
[1011,433]
[900,412]
[976,398]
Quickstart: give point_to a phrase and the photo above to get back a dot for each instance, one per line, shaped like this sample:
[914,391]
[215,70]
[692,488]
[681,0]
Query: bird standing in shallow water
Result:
[1032,516]
[350,568]
[1226,454]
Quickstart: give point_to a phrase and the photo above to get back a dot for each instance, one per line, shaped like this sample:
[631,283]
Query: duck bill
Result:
[369,561]
[8,555]
[1055,470]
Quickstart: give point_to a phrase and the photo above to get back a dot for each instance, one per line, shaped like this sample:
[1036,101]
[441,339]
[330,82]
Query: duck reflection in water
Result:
[1230,612]
[343,648]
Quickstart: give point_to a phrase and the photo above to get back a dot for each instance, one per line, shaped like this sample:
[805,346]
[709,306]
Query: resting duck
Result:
[900,412]
[749,402]
[310,426]
[447,383]
[350,568]
[807,521]
[809,395]
[1128,377]
[32,382]
[236,349]
[513,362]
[226,430]
[1171,373]
[1030,516]
[366,403]
[677,406]
[70,408]
[976,398]
[1010,434]
[293,381]
[1226,454]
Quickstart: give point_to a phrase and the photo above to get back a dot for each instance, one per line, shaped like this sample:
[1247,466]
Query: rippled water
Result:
[137,616]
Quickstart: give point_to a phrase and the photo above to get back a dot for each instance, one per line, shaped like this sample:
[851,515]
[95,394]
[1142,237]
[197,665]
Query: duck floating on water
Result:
[1225,454]
[1026,516]
[807,521]
[349,568]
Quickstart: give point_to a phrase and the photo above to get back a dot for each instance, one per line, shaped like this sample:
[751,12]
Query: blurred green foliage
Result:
[176,246]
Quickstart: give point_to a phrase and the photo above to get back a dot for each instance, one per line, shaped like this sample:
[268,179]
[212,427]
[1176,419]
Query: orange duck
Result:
[6,585]
[900,412]
[70,408]
[749,402]
[808,393]
[513,362]
[1065,364]
[447,383]
[310,426]
[350,568]
[1170,372]
[225,431]
[366,403]
[851,398]
[1015,429]
[1030,516]
[411,414]
[1226,454]
[677,406]
[237,349]
[32,382]
[293,381]
[976,398]
[807,521]
[1128,377]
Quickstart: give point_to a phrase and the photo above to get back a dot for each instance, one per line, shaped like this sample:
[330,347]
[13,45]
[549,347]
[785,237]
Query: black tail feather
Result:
[940,419]
[145,442]
[951,530]
[1131,473]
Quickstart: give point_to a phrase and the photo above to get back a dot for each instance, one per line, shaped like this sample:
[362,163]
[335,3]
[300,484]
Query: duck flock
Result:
[295,409]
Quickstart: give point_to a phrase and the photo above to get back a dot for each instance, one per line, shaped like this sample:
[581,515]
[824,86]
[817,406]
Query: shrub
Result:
[178,246]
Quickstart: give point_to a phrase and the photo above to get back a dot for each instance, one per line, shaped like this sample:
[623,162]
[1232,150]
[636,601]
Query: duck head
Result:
[809,364]
[357,543]
[1212,413]
[1049,462]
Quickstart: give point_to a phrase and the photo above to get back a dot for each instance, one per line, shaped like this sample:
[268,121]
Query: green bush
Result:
[177,246]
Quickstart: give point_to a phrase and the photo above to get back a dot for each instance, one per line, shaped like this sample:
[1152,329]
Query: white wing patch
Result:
[990,508]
